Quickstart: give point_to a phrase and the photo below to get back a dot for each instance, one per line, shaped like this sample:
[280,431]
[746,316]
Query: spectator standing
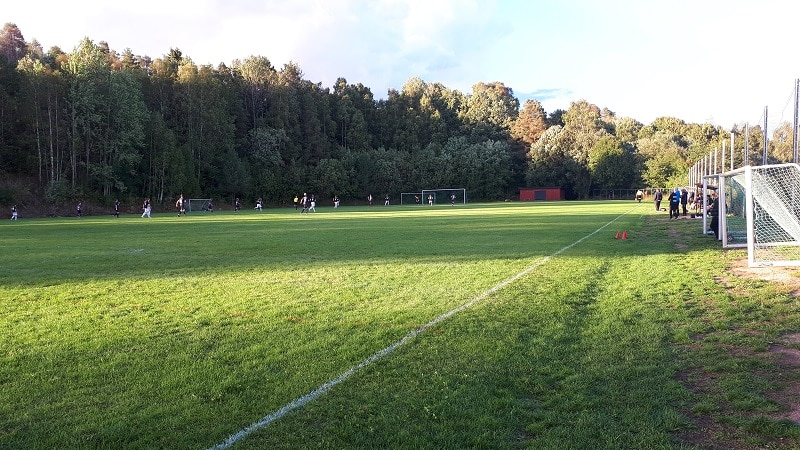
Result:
[657,199]
[674,201]
[684,201]
[713,211]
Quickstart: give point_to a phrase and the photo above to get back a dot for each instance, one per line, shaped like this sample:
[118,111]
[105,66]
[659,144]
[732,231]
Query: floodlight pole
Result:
[764,159]
[794,134]
[746,144]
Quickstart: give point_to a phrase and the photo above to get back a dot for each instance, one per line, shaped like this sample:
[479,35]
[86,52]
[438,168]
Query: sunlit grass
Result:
[177,332]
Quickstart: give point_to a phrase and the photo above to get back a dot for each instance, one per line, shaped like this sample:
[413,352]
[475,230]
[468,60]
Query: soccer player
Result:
[430,199]
[386,200]
[79,209]
[237,205]
[180,205]
[453,199]
[14,212]
[116,208]
[313,206]
[259,205]
[146,207]
[304,203]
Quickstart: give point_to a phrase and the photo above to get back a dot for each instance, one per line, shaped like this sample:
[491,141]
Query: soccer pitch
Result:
[506,325]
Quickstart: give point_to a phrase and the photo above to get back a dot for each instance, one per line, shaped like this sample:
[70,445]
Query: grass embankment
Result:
[177,332]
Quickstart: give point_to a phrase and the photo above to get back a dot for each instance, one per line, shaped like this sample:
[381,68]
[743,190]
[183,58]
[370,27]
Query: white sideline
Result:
[302,401]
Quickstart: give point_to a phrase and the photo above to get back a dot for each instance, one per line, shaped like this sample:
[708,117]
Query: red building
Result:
[540,194]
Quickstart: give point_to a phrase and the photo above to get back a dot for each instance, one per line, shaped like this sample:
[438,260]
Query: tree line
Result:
[97,125]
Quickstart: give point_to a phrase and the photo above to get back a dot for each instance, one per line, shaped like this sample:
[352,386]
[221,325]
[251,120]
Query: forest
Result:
[95,125]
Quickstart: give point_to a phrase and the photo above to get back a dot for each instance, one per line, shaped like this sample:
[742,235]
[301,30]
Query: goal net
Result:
[762,209]
[444,196]
[411,198]
[197,204]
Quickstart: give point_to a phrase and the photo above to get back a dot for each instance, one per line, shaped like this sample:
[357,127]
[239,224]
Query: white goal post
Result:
[760,207]
[197,204]
[444,196]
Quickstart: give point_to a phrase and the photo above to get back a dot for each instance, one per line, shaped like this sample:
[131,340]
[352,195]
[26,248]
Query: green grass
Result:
[177,332]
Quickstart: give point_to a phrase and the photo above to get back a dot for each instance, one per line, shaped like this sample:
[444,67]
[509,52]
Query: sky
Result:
[703,61]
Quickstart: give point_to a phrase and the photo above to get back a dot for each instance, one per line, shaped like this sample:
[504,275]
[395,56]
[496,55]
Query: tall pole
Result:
[733,141]
[796,102]
[764,158]
[746,161]
[722,161]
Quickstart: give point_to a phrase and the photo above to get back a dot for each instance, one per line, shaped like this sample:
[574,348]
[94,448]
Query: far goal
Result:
[444,196]
[197,204]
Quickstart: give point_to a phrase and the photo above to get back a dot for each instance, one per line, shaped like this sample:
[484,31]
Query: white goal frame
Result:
[197,204]
[445,198]
[769,214]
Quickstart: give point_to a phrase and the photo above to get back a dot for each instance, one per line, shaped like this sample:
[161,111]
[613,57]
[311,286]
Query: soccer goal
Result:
[197,204]
[411,198]
[760,206]
[444,196]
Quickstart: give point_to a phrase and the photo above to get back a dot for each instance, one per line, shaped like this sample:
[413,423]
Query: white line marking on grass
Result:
[302,401]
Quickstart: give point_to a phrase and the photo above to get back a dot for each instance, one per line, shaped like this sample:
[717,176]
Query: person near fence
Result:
[657,199]
[713,211]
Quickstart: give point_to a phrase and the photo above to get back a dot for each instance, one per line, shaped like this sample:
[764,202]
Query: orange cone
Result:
[617,236]
[625,234]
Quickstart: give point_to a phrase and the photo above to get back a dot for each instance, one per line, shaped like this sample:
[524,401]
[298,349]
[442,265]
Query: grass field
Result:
[177,333]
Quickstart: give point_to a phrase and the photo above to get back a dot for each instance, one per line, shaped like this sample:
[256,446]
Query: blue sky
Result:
[712,61]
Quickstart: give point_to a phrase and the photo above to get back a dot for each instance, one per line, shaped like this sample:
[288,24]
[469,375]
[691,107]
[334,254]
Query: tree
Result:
[782,149]
[88,75]
[124,141]
[490,110]
[611,165]
[551,165]
[530,124]
[627,129]
[12,44]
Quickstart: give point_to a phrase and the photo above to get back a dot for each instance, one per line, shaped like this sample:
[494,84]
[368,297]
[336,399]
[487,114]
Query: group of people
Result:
[308,203]
[679,201]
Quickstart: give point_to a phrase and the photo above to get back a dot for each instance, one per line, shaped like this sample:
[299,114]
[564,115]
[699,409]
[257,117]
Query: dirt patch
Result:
[787,276]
